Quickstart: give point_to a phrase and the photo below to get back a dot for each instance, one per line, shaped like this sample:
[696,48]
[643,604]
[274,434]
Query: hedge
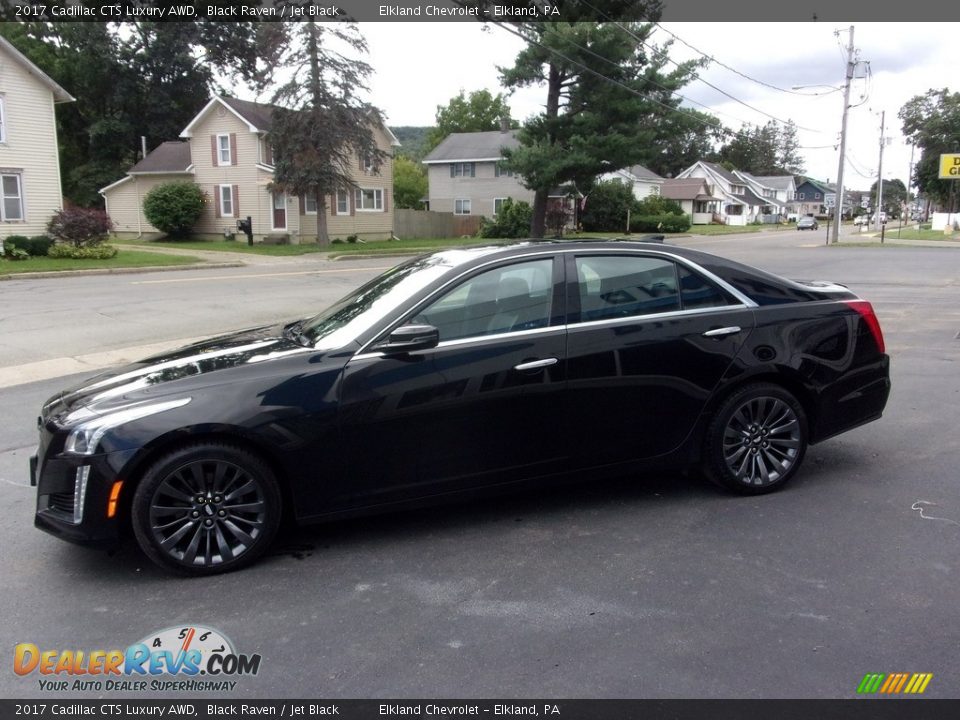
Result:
[37,246]
[90,252]
[660,223]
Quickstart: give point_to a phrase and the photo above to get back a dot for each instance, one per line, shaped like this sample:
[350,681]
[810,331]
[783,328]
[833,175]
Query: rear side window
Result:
[698,292]
[615,286]
[612,286]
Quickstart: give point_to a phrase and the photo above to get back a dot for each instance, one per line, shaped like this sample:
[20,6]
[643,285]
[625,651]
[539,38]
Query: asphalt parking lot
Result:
[640,587]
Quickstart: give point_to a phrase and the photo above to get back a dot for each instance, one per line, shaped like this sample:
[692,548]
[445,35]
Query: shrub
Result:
[90,252]
[174,207]
[352,238]
[656,205]
[660,223]
[605,207]
[513,221]
[81,227]
[557,218]
[12,252]
[37,246]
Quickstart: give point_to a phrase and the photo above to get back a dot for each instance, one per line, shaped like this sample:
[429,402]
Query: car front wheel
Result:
[757,440]
[206,508]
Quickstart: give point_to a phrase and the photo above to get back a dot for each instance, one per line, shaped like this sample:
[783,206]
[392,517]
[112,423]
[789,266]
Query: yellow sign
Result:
[950,166]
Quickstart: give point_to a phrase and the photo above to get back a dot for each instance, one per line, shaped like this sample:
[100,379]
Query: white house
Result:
[740,204]
[644,182]
[29,157]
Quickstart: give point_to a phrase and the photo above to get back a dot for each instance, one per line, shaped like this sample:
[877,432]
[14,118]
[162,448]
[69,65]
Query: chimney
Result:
[505,124]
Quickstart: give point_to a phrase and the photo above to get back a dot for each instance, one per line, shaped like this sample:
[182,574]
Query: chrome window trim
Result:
[553,329]
[589,324]
[745,302]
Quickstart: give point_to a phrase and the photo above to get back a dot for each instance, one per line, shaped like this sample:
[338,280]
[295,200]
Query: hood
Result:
[182,370]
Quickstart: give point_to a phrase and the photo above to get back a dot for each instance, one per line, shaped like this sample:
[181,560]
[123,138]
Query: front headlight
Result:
[85,437]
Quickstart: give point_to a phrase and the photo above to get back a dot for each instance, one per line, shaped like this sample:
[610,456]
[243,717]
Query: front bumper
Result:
[73,494]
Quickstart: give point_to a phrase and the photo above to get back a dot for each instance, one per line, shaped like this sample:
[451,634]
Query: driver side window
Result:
[506,299]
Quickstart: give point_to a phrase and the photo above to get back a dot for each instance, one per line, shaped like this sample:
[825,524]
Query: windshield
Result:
[348,319]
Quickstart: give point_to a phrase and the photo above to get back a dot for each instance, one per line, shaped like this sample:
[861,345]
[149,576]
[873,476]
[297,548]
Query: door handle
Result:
[720,332]
[535,364]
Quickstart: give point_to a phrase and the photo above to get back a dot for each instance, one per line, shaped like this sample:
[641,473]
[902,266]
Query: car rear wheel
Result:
[206,508]
[757,440]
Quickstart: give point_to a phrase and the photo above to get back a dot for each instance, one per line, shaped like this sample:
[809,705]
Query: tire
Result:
[206,508]
[756,440]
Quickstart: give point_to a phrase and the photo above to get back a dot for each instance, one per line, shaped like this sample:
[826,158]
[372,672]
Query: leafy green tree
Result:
[763,150]
[478,112]
[513,221]
[607,92]
[894,197]
[174,207]
[932,123]
[605,207]
[144,79]
[683,138]
[409,183]
[413,141]
[321,129]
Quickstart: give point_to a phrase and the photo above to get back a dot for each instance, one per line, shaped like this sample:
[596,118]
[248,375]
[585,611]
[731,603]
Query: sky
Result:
[421,65]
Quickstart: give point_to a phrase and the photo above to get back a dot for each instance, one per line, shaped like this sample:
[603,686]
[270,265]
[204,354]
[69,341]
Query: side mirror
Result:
[408,338]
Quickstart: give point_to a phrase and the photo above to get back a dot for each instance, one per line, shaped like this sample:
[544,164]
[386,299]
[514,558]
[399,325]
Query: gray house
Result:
[466,175]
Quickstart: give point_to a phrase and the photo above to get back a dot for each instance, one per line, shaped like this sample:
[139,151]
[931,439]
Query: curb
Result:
[116,271]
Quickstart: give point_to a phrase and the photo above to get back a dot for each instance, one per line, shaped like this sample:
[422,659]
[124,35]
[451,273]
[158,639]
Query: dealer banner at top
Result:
[497,11]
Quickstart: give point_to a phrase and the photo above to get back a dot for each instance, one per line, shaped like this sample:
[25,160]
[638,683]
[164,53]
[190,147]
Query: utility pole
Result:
[838,210]
[876,215]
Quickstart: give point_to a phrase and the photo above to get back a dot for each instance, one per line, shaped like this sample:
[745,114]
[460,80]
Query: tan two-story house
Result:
[226,150]
[30,190]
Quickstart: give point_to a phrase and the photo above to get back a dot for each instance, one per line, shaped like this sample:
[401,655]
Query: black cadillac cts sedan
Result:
[462,371]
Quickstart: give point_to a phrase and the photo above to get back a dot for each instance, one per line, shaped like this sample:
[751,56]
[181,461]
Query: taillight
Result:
[870,317]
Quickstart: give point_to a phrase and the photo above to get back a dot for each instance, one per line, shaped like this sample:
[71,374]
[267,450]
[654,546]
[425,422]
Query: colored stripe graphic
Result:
[894,683]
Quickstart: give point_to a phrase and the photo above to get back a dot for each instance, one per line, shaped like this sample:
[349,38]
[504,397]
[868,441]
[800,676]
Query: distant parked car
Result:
[807,223]
[861,220]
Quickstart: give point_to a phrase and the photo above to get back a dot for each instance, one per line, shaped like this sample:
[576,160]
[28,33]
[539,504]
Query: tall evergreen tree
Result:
[321,130]
[607,93]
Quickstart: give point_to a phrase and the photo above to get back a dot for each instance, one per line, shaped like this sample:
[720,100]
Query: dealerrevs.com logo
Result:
[189,659]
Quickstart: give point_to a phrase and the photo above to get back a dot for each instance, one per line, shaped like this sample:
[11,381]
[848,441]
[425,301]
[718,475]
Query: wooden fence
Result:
[408,224]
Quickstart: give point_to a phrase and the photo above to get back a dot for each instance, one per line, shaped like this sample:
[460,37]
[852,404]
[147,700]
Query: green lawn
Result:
[124,259]
[370,247]
[911,233]
[729,229]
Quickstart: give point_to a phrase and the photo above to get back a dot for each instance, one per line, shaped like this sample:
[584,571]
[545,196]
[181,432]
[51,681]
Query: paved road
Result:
[641,587]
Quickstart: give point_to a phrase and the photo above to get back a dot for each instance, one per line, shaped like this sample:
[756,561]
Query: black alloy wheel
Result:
[757,440]
[205,509]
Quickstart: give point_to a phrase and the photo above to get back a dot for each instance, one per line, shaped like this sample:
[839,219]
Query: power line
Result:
[705,82]
[608,79]
[737,72]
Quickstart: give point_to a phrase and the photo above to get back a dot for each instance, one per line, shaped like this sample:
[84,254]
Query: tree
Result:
[174,207]
[769,149]
[682,139]
[321,130]
[148,80]
[894,197]
[409,183]
[606,95]
[932,123]
[480,111]
[605,206]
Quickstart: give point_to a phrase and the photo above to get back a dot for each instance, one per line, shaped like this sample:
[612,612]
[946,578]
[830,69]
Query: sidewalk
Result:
[227,256]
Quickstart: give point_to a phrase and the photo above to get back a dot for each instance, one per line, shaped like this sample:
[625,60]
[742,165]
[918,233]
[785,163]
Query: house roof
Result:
[822,186]
[722,172]
[59,94]
[172,156]
[642,173]
[777,182]
[471,147]
[258,116]
[685,189]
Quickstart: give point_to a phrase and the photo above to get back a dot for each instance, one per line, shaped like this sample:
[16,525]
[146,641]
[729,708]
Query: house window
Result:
[654,190]
[224,157]
[3,121]
[500,171]
[226,200]
[799,196]
[769,193]
[310,204]
[12,197]
[369,199]
[497,205]
[461,207]
[343,206]
[464,169]
[738,189]
[816,196]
